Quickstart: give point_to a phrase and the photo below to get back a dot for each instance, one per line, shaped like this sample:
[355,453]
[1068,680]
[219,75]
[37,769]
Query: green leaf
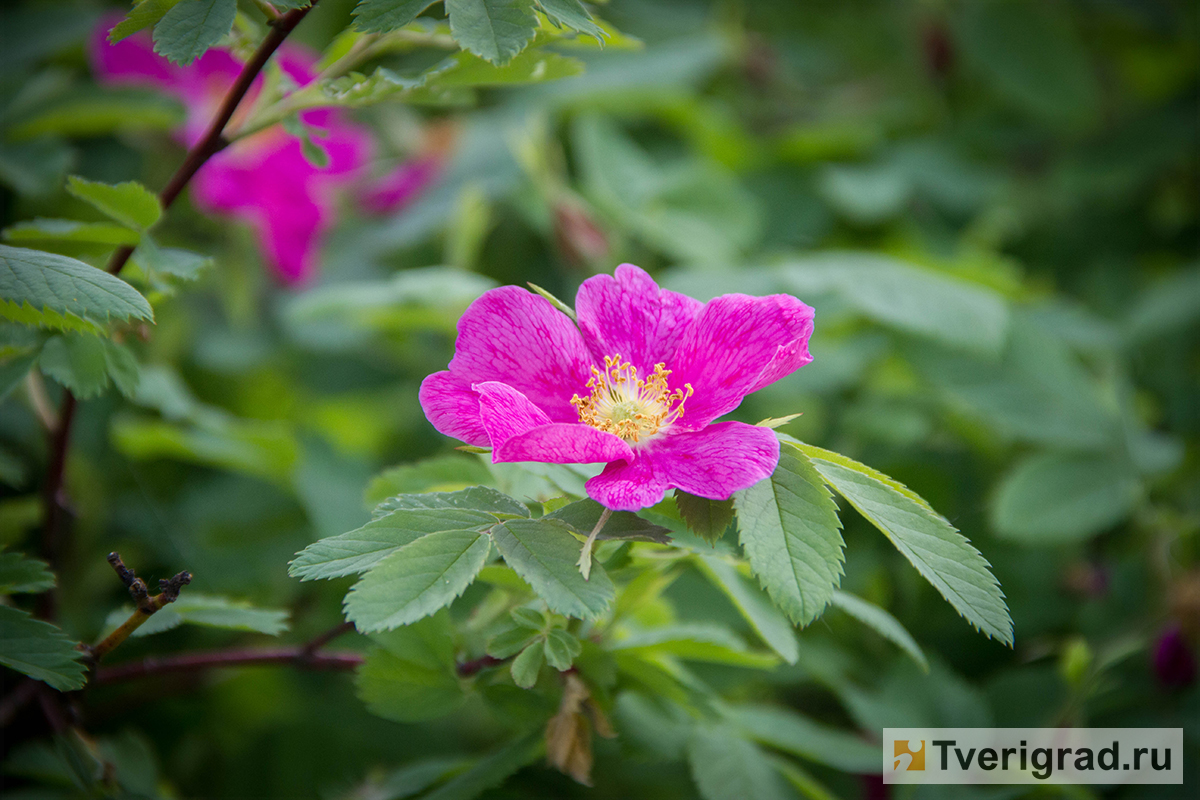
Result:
[145,14]
[417,580]
[14,368]
[411,779]
[181,264]
[361,549]
[706,518]
[54,291]
[1051,498]
[212,611]
[475,498]
[1034,56]
[906,297]
[883,623]
[801,780]
[186,31]
[1168,306]
[562,649]
[76,362]
[35,167]
[531,66]
[801,736]
[85,364]
[262,448]
[529,618]
[19,574]
[410,674]
[96,113]
[490,771]
[385,16]
[571,14]
[492,29]
[696,642]
[791,534]
[1038,391]
[222,612]
[583,515]
[931,544]
[768,622]
[544,553]
[439,474]
[727,767]
[40,650]
[129,203]
[70,230]
[511,642]
[528,664]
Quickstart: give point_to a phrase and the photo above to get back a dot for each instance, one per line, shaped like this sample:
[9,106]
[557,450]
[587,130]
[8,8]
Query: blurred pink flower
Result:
[636,385]
[265,178]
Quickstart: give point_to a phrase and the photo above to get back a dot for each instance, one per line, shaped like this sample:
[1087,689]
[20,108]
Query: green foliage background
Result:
[992,207]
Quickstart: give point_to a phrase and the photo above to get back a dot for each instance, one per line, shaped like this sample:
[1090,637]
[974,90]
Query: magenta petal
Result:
[506,412]
[628,485]
[737,345]
[717,461]
[396,189]
[453,408]
[291,235]
[515,337]
[131,61]
[627,314]
[713,463]
[563,443]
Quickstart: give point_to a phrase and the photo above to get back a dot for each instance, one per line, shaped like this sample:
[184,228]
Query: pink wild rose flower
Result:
[265,178]
[636,385]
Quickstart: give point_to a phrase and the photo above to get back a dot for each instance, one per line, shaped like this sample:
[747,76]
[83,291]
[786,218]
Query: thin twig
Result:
[53,500]
[147,606]
[468,668]
[53,503]
[317,642]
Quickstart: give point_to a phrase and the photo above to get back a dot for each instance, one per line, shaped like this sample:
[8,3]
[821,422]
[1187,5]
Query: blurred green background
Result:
[992,207]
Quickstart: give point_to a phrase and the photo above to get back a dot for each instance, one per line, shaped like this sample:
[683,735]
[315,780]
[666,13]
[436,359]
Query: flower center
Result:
[628,406]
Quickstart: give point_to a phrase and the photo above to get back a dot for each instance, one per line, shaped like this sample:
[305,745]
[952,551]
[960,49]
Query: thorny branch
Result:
[54,502]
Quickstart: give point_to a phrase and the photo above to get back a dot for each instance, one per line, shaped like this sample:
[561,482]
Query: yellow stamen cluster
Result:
[628,406]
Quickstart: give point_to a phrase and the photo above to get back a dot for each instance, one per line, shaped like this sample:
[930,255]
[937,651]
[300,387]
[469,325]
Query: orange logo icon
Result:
[909,756]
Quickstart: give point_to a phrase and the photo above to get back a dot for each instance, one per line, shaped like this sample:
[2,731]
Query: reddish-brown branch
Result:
[468,668]
[54,508]
[53,504]
[317,642]
[197,662]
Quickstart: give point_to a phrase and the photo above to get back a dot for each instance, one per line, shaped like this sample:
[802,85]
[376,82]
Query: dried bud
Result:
[569,732]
